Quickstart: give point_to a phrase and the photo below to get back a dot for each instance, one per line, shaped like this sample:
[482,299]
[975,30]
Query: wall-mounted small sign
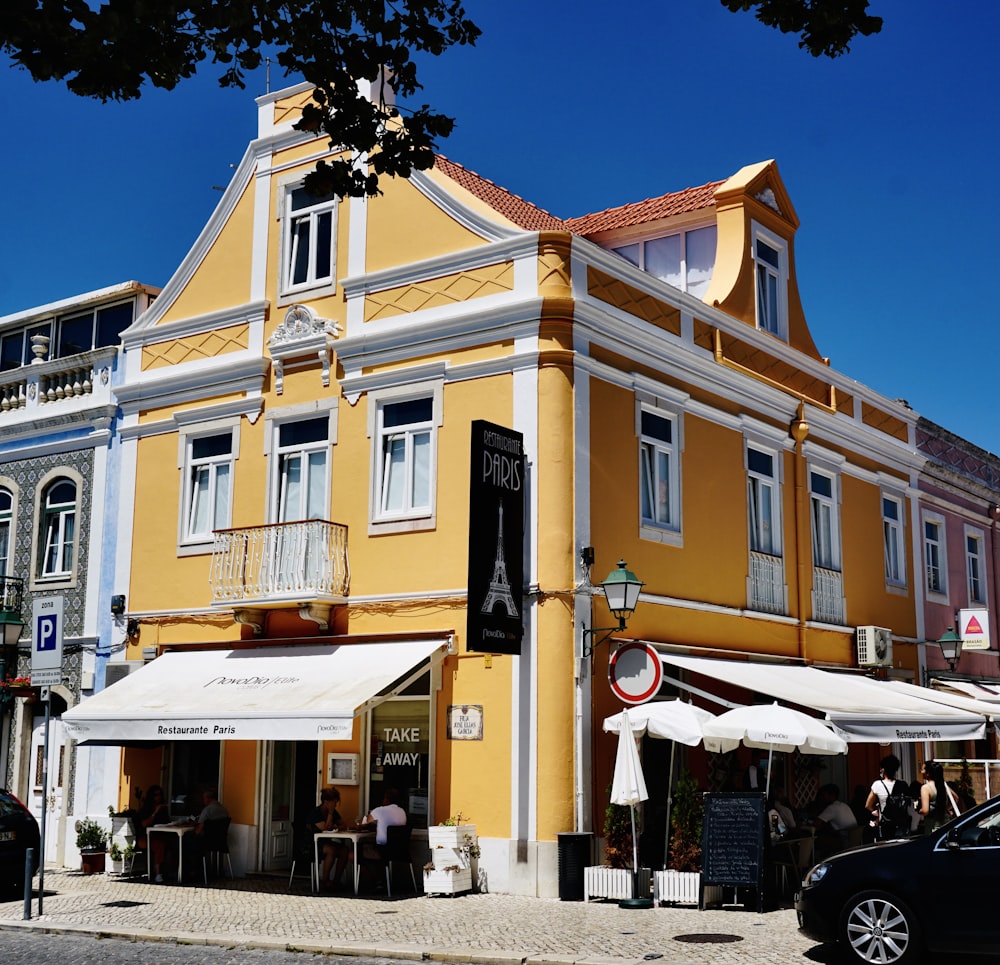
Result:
[465,722]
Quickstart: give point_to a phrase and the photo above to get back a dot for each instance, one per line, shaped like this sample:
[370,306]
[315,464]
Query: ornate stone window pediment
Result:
[302,332]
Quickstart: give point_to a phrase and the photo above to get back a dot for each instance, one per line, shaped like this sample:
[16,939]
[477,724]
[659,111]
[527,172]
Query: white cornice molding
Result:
[400,341]
[244,374]
[520,361]
[249,313]
[524,245]
[474,221]
[96,438]
[246,408]
[97,418]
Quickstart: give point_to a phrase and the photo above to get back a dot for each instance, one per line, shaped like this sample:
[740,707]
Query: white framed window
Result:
[403,425]
[763,501]
[659,470]
[683,259]
[298,443]
[892,540]
[935,564]
[208,485]
[303,470]
[975,565]
[308,240]
[825,520]
[59,512]
[6,529]
[770,258]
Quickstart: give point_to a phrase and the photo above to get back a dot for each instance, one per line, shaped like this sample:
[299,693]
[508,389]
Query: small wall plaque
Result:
[465,722]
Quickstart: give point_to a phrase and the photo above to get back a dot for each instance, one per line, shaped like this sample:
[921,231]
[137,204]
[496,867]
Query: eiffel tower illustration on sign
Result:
[499,586]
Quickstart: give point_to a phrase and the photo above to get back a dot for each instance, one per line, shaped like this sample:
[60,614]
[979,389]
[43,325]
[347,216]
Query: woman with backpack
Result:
[887,801]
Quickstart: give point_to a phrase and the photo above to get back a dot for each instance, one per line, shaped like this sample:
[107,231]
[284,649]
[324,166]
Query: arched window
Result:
[58,528]
[6,522]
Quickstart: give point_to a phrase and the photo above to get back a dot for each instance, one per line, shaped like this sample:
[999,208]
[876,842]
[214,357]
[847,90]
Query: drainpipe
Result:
[803,543]
[993,591]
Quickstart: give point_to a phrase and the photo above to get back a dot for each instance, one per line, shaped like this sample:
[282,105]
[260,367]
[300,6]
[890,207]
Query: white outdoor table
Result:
[178,829]
[355,837]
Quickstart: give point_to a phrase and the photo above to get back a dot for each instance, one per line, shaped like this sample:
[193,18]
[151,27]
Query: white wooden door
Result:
[280,790]
[54,803]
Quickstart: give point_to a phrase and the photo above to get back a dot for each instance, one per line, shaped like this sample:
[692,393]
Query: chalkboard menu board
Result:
[732,839]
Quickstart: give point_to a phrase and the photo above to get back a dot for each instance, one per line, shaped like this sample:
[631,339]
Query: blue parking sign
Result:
[46,641]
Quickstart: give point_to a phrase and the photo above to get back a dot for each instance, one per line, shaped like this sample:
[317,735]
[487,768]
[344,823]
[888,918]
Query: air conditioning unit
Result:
[119,669]
[874,647]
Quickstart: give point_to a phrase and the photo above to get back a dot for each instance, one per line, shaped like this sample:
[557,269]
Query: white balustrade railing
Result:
[766,586]
[85,376]
[302,561]
[828,595]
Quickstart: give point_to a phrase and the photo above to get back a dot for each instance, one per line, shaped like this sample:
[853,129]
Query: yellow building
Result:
[298,414]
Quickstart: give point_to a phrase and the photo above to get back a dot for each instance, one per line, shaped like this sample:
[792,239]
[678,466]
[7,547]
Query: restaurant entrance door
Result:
[290,782]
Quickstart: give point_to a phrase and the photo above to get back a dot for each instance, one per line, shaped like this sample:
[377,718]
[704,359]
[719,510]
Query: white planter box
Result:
[448,881]
[682,888]
[451,836]
[603,882]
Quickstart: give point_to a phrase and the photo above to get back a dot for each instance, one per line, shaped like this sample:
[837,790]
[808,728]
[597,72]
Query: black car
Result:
[18,832]
[889,901]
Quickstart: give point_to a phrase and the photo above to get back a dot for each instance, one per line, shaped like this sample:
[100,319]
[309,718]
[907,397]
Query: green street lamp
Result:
[951,647]
[621,589]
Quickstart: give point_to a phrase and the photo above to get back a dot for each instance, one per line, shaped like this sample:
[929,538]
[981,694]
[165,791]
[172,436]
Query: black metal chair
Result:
[304,849]
[396,850]
[138,851]
[216,847]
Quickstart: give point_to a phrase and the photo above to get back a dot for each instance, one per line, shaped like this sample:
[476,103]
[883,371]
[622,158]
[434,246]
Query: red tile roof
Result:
[640,212]
[522,213]
[532,218]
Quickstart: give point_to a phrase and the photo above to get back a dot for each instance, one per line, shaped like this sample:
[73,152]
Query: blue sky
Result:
[890,155]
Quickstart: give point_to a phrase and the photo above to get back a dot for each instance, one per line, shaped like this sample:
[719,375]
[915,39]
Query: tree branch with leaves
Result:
[112,50]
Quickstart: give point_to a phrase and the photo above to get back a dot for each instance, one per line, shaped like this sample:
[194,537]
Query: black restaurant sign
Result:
[496,539]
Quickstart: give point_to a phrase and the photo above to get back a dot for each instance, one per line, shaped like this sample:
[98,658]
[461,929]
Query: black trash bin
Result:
[574,856]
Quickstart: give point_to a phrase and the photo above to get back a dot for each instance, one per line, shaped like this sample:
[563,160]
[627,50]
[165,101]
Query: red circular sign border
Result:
[635,645]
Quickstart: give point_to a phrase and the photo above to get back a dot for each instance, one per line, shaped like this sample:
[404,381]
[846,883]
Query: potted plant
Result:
[454,855]
[117,856]
[121,825]
[681,882]
[615,878]
[92,840]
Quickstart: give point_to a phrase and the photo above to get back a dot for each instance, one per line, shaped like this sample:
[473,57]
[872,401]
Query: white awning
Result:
[988,691]
[860,708]
[265,693]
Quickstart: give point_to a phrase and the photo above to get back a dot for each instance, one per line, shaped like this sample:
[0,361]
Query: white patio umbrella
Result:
[669,719]
[774,728]
[628,786]
[672,720]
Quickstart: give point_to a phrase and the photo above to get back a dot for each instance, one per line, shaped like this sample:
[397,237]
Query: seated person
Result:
[833,822]
[389,815]
[196,843]
[154,810]
[326,817]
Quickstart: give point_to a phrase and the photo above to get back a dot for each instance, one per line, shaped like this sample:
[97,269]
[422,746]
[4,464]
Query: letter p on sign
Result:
[46,640]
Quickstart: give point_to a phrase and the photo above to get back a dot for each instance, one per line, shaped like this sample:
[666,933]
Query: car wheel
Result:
[878,927]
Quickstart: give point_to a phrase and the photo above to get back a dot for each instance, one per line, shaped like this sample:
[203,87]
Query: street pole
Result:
[45,799]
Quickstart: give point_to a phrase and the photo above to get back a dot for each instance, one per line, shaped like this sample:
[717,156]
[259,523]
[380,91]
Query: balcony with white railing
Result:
[302,563]
[58,385]
[828,595]
[766,584]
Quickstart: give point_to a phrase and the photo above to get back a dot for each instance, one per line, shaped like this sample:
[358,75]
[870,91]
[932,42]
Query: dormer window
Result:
[771,281]
[684,259]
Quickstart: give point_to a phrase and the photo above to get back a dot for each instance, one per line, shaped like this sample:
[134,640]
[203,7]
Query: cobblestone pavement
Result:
[259,912]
